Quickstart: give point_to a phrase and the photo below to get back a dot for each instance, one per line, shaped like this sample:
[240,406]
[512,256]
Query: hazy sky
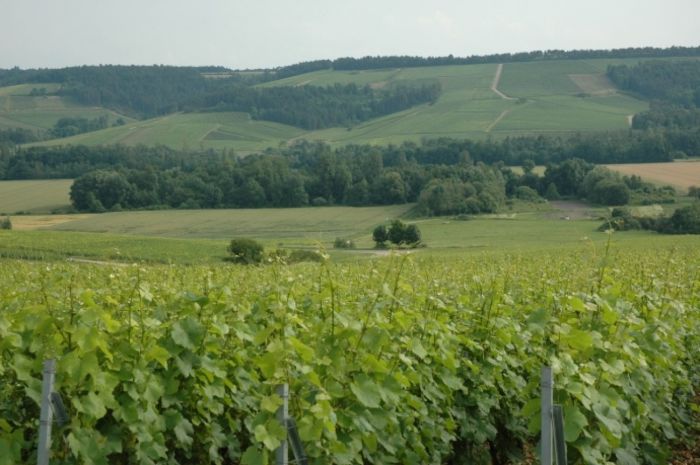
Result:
[269,33]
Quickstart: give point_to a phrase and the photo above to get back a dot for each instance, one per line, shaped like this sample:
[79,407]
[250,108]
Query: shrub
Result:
[245,251]
[621,219]
[300,255]
[6,223]
[341,243]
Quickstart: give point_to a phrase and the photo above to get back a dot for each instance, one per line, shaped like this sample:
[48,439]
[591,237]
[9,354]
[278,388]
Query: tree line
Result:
[441,177]
[406,61]
[618,147]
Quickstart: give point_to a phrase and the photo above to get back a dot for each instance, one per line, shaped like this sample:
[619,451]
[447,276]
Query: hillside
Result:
[477,101]
[20,109]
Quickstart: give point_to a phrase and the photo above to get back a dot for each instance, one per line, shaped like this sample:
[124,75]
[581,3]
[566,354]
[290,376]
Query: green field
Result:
[540,97]
[200,236]
[40,196]
[192,131]
[20,110]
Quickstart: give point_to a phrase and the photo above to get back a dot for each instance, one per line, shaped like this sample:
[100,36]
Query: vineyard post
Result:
[281,457]
[546,443]
[45,417]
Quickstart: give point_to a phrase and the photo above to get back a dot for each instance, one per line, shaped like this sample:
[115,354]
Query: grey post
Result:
[559,439]
[281,457]
[547,401]
[46,413]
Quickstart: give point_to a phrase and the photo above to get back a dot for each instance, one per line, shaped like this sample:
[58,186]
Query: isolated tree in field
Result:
[401,233]
[380,235]
[6,223]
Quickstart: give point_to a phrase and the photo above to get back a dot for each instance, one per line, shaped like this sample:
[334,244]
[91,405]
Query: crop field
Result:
[538,97]
[19,109]
[679,174]
[40,196]
[402,359]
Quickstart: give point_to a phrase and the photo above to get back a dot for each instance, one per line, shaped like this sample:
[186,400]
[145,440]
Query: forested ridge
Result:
[673,87]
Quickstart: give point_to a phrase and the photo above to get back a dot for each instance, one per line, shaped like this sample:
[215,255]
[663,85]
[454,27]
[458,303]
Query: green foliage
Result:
[380,235]
[427,362]
[400,233]
[6,223]
[342,243]
[685,220]
[610,192]
[552,193]
[528,194]
[246,251]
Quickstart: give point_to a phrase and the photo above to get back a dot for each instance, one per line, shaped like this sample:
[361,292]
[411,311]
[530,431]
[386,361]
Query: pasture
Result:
[35,196]
[679,174]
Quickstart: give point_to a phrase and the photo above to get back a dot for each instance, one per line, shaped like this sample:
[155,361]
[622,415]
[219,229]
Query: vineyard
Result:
[396,360]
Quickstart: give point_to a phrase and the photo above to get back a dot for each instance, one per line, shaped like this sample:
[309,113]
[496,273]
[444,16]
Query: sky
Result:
[246,34]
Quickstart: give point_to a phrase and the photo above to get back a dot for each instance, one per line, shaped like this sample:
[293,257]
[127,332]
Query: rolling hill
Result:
[20,109]
[477,101]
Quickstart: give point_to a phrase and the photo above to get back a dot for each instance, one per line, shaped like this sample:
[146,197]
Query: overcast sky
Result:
[268,33]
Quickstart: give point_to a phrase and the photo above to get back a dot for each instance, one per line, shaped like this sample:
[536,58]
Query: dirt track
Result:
[496,80]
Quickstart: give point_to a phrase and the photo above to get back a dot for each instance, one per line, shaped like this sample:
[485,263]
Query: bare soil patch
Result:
[594,84]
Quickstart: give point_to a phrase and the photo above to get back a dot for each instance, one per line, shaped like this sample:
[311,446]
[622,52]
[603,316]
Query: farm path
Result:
[496,80]
[503,114]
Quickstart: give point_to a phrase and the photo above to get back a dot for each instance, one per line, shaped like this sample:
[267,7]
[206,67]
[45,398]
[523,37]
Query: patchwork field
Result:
[538,97]
[20,109]
[679,174]
[40,196]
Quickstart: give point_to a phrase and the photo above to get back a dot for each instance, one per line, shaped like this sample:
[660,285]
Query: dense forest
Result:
[673,87]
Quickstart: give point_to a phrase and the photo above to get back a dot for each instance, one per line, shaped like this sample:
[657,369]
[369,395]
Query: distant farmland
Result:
[551,97]
[678,174]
